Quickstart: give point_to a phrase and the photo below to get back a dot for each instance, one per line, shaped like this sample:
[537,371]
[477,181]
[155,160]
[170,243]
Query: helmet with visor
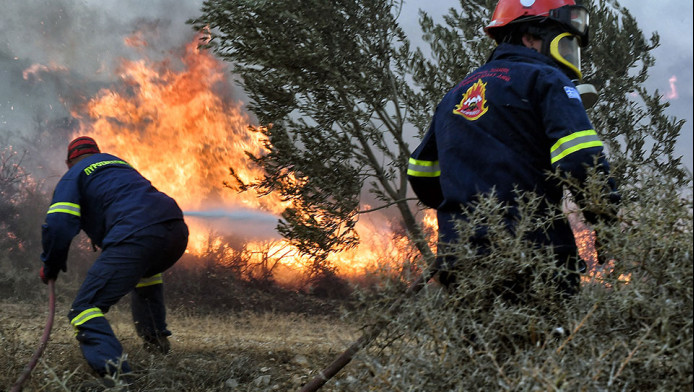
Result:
[574,18]
[562,25]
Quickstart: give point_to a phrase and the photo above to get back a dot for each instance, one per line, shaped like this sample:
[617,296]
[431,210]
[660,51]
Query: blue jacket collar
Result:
[510,51]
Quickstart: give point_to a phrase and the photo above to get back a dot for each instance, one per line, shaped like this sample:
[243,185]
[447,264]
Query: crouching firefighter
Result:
[141,233]
[509,124]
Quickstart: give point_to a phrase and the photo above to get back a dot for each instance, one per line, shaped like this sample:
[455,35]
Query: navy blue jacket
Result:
[507,124]
[108,199]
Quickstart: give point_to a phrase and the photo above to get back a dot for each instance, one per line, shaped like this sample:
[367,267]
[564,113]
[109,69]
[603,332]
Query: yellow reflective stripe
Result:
[417,168]
[574,142]
[90,169]
[86,316]
[67,208]
[152,280]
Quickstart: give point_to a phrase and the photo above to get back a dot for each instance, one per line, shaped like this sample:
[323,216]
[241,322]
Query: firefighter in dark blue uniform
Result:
[141,233]
[511,122]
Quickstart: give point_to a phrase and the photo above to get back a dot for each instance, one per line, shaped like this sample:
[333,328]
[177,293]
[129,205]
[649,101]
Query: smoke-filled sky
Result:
[80,41]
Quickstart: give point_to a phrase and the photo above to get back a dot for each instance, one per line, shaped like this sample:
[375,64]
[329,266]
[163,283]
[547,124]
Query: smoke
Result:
[238,223]
[55,55]
[86,36]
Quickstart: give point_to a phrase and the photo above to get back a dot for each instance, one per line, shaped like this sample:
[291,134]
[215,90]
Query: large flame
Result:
[182,130]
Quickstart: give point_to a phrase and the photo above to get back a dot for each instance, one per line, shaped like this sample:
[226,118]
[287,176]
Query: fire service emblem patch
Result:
[474,104]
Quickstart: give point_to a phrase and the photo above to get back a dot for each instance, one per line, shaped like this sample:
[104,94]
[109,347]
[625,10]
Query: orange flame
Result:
[182,130]
[35,70]
[585,241]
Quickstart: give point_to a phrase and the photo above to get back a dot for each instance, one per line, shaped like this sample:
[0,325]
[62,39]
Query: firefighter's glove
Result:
[46,274]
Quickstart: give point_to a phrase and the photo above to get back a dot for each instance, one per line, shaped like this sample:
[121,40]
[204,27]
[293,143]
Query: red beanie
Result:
[81,146]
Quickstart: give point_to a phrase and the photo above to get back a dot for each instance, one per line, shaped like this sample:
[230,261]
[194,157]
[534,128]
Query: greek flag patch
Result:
[571,92]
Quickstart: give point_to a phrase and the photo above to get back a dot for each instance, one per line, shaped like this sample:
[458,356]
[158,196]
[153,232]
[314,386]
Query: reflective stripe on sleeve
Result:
[152,280]
[574,142]
[417,168]
[67,208]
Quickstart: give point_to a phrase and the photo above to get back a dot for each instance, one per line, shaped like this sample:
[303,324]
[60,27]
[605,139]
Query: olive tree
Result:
[331,85]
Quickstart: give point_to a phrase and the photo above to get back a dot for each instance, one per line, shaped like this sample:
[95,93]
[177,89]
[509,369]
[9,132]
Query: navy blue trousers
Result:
[567,284]
[119,270]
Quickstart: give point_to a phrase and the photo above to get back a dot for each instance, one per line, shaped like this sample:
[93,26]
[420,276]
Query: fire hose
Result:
[44,340]
[343,359]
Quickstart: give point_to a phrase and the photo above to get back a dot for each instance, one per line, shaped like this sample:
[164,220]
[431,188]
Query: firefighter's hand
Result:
[603,254]
[46,276]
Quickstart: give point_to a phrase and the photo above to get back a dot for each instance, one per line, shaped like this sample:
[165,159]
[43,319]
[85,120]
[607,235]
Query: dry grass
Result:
[225,352]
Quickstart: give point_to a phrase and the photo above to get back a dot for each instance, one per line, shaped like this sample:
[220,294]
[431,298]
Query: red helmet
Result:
[565,12]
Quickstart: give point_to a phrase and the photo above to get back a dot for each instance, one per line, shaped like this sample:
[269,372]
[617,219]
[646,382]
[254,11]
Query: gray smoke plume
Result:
[57,54]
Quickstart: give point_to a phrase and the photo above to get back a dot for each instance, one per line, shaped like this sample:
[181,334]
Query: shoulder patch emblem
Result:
[572,93]
[474,102]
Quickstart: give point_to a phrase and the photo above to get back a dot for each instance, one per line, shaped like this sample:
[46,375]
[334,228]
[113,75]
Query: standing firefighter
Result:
[141,233]
[510,123]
